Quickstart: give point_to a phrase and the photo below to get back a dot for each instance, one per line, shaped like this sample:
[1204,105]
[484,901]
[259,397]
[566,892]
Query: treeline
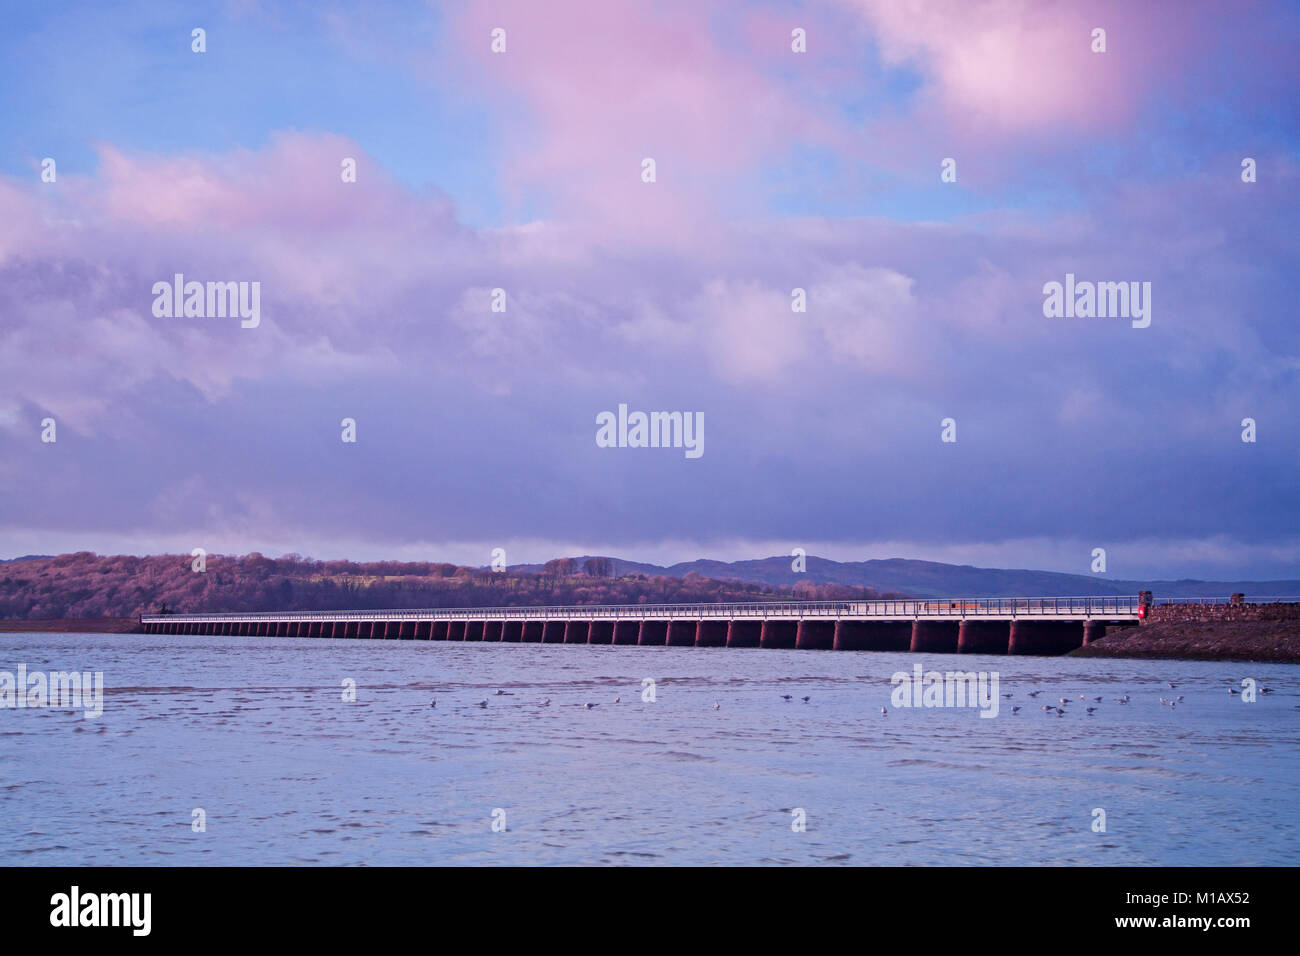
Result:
[86,585]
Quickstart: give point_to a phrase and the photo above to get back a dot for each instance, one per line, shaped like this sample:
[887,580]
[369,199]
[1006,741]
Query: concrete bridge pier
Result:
[778,634]
[492,631]
[815,635]
[512,632]
[366,629]
[873,635]
[653,633]
[602,632]
[423,630]
[627,632]
[744,633]
[553,632]
[934,637]
[455,630]
[532,632]
[438,632]
[1045,638]
[473,630]
[983,637]
[353,629]
[577,632]
[711,634]
[681,633]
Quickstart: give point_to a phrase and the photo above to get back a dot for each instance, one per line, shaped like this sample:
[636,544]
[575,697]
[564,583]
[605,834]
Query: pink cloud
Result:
[1010,63]
[604,85]
[1004,67]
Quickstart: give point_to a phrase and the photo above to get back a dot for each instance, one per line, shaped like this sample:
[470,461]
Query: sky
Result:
[775,169]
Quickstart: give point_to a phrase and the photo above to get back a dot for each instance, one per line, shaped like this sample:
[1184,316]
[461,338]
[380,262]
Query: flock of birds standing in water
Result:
[1060,711]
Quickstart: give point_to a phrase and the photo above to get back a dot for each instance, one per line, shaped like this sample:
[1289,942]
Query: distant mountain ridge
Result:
[932,579]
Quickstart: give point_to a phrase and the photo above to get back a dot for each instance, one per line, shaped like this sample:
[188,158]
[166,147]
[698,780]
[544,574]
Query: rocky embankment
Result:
[1217,632]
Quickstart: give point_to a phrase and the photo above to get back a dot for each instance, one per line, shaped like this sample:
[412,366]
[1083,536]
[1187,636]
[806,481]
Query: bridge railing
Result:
[1107,606]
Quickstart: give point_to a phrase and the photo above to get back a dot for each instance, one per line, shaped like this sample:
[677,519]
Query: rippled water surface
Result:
[254,732]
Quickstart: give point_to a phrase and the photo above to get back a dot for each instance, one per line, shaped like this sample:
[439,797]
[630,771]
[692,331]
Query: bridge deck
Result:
[1123,608]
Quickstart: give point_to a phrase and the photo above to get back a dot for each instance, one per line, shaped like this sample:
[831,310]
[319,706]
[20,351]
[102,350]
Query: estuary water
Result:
[255,733]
